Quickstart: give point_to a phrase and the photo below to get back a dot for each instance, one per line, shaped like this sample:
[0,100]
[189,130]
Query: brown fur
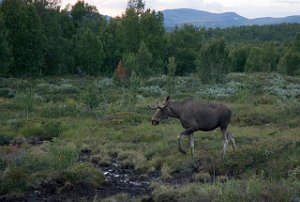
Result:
[195,116]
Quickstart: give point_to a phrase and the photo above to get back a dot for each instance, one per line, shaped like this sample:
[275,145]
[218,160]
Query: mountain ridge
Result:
[200,18]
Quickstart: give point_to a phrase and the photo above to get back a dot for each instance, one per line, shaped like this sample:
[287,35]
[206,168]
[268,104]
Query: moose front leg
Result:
[179,144]
[184,133]
[192,145]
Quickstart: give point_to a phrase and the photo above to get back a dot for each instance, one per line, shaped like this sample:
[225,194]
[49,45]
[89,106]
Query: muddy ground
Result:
[118,180]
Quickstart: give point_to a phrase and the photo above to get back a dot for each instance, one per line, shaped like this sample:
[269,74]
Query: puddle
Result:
[123,180]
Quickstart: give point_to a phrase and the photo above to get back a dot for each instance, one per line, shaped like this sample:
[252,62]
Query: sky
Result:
[246,8]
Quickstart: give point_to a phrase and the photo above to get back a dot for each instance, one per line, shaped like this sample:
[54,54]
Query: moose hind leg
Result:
[225,141]
[231,139]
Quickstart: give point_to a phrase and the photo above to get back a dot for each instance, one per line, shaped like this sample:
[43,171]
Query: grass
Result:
[264,167]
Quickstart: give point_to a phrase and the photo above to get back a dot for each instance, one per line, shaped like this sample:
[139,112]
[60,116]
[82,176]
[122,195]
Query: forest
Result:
[39,38]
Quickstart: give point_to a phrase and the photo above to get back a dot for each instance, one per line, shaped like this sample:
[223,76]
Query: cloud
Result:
[171,4]
[291,2]
[247,8]
[106,7]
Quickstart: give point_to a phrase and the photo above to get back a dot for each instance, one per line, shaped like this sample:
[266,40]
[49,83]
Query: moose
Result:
[195,116]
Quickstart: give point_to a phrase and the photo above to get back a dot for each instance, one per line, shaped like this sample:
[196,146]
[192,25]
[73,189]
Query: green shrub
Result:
[152,91]
[68,89]
[165,194]
[165,172]
[256,119]
[100,159]
[156,81]
[276,192]
[3,164]
[85,174]
[91,97]
[46,88]
[289,63]
[56,110]
[26,102]
[50,162]
[62,155]
[56,97]
[131,159]
[5,138]
[233,190]
[7,92]
[43,131]
[133,119]
[14,179]
[203,177]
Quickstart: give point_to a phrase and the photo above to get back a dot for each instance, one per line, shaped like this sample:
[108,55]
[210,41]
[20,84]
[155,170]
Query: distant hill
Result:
[206,19]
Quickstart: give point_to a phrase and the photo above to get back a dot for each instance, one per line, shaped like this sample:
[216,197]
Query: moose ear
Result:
[167,99]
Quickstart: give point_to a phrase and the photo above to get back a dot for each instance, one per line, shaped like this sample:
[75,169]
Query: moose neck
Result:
[174,109]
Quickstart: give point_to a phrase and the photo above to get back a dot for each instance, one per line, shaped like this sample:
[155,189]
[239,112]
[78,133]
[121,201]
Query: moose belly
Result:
[203,125]
[207,125]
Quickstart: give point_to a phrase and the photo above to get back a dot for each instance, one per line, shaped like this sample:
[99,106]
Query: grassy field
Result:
[58,135]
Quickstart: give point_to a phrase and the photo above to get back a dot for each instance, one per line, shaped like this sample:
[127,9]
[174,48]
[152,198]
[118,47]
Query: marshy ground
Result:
[91,139]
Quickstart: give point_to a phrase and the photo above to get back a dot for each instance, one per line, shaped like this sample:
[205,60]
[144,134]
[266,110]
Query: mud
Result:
[133,182]
[118,180]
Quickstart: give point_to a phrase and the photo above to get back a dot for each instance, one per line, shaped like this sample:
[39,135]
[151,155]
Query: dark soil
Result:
[118,180]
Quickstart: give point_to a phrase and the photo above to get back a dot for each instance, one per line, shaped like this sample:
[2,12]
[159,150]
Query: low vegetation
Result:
[63,131]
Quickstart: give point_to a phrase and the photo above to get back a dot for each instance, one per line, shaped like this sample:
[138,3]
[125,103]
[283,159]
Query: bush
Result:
[62,155]
[104,83]
[43,131]
[289,63]
[5,138]
[203,177]
[276,192]
[55,110]
[91,97]
[100,159]
[45,88]
[255,61]
[131,159]
[85,174]
[165,193]
[212,62]
[7,93]
[233,190]
[49,163]
[218,91]
[152,91]
[68,89]
[14,179]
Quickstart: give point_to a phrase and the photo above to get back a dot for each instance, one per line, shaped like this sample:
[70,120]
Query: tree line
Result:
[39,38]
